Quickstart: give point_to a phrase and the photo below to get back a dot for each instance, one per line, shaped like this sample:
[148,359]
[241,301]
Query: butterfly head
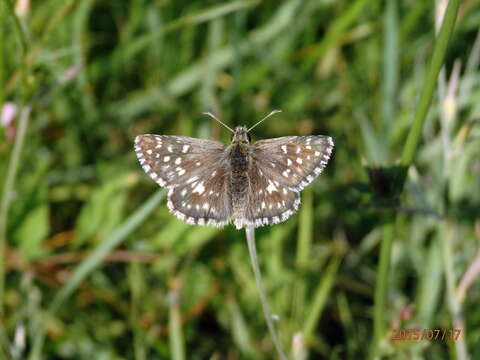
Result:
[241,135]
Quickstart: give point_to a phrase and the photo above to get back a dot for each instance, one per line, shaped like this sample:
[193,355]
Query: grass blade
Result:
[94,259]
[438,56]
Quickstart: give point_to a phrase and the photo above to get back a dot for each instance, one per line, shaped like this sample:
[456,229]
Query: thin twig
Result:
[250,231]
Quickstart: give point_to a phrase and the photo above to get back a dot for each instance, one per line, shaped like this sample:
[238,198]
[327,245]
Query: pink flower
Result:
[7,115]
[9,111]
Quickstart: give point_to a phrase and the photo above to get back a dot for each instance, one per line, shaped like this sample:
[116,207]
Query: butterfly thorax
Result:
[239,155]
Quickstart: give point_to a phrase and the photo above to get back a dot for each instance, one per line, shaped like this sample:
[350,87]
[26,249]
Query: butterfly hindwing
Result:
[203,199]
[270,202]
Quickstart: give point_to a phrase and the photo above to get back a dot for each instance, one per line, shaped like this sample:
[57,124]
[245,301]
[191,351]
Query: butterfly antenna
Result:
[265,118]
[215,118]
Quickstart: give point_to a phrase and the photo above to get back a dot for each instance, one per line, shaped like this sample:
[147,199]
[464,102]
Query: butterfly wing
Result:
[280,169]
[294,161]
[193,170]
[269,201]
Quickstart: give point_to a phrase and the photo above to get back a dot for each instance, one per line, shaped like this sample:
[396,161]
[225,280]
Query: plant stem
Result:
[8,190]
[453,303]
[303,255]
[177,343]
[381,288]
[8,186]
[438,56]
[250,231]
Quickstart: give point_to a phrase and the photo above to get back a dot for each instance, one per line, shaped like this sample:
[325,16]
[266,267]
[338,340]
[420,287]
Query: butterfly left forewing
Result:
[172,160]
[194,170]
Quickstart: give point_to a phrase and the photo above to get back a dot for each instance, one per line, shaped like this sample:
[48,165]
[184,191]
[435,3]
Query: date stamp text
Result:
[426,334]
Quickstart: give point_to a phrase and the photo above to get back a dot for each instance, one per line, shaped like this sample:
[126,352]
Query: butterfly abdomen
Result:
[238,186]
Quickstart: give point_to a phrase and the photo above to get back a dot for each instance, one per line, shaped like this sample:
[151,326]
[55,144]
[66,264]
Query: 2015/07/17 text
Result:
[426,334]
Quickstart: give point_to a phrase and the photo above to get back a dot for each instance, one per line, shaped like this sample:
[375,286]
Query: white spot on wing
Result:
[271,188]
[166,158]
[284,148]
[199,188]
[192,179]
[299,160]
[185,148]
[178,160]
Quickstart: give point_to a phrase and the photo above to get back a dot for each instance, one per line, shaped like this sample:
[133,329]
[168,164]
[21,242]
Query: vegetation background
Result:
[92,265]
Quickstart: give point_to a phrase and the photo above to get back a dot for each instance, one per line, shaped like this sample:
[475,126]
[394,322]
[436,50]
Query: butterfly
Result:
[249,184]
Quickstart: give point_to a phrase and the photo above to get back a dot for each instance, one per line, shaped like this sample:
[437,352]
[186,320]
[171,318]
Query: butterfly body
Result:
[239,162]
[249,184]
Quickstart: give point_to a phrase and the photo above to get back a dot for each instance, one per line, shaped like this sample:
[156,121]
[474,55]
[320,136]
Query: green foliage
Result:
[92,264]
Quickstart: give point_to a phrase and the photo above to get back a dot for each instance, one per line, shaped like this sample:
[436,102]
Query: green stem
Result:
[8,186]
[453,303]
[381,288]
[8,190]
[18,26]
[321,297]
[390,65]
[250,231]
[304,245]
[305,231]
[177,343]
[438,56]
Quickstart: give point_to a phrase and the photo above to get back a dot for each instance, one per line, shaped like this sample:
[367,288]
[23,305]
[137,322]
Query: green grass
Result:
[92,265]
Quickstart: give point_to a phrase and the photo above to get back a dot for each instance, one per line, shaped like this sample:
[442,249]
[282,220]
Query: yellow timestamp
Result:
[426,334]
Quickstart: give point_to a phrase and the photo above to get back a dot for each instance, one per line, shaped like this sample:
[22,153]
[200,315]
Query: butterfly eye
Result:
[249,137]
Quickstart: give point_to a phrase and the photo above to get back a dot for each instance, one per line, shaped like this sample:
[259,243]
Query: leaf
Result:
[102,212]
[32,231]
